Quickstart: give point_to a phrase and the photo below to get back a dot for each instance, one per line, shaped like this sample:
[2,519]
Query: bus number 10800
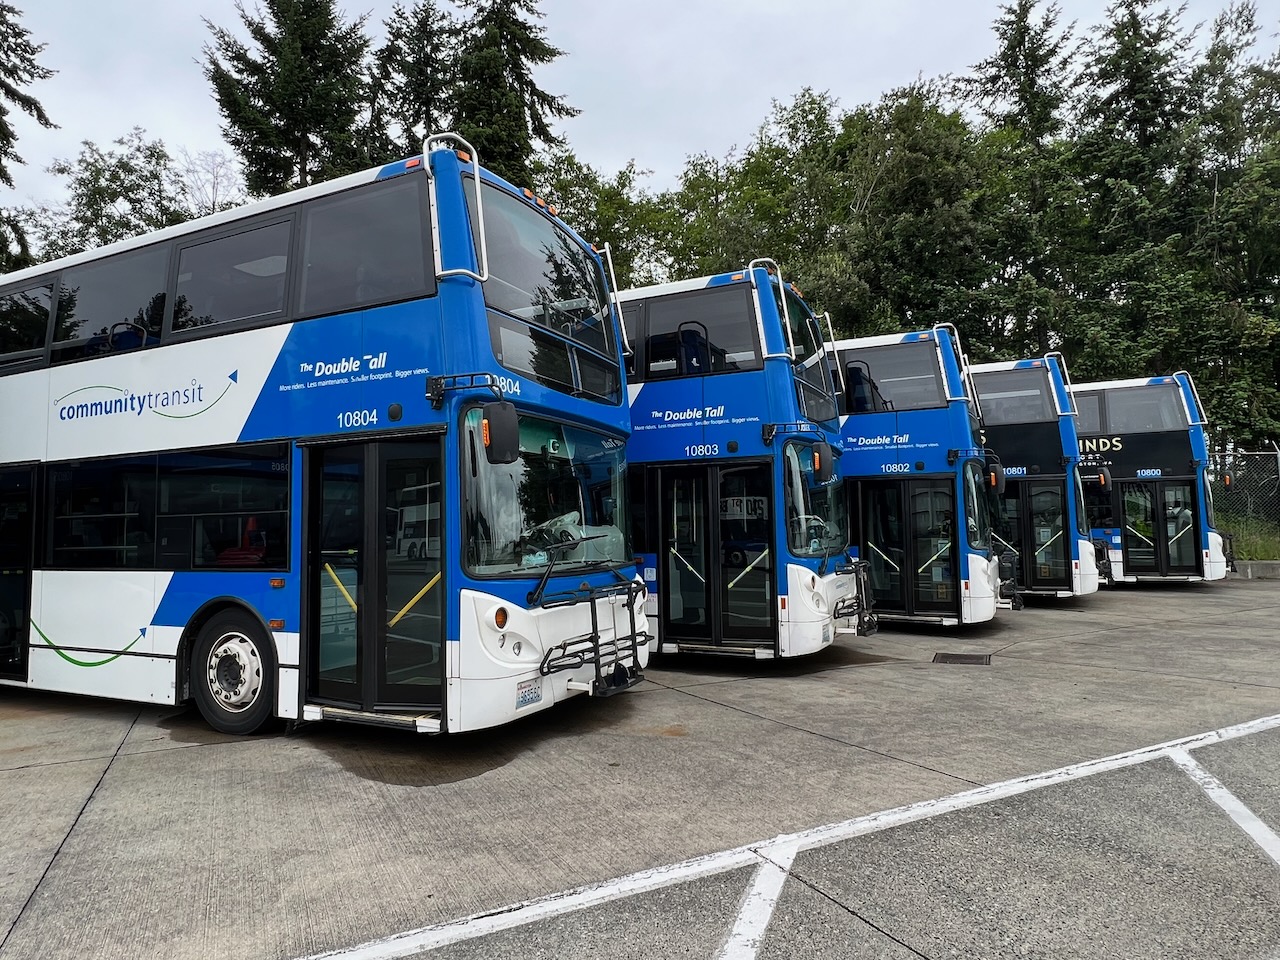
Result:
[702,450]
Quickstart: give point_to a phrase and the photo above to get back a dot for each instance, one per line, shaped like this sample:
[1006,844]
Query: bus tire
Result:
[233,673]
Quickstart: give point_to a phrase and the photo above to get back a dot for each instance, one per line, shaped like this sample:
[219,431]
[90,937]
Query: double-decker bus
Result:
[1028,418]
[737,508]
[916,474]
[1145,459]
[207,429]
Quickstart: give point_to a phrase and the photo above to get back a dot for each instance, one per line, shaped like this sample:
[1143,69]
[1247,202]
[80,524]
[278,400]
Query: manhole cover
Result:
[975,659]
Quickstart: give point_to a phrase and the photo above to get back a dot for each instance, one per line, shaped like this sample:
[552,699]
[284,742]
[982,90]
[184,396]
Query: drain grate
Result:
[973,659]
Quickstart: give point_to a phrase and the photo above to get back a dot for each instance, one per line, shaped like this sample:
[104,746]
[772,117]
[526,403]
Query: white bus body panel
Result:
[1084,573]
[490,682]
[25,433]
[978,603]
[1215,558]
[805,625]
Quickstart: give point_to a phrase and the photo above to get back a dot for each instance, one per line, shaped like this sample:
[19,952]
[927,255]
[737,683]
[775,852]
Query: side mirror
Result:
[500,431]
[996,478]
[823,463]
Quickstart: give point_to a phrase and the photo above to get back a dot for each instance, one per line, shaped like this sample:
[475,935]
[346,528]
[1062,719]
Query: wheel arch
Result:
[207,611]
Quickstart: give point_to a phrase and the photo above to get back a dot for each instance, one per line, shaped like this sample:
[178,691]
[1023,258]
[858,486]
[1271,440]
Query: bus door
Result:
[1032,520]
[716,554]
[1160,521]
[17,508]
[377,611]
[909,540]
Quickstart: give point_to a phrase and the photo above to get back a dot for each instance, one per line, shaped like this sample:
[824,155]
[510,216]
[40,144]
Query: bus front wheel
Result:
[233,674]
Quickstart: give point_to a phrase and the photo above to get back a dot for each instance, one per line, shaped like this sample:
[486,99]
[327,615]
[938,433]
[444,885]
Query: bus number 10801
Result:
[702,450]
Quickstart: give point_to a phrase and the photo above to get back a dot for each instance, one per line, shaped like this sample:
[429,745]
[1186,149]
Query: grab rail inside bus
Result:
[1203,421]
[450,141]
[613,296]
[835,358]
[768,266]
[1066,376]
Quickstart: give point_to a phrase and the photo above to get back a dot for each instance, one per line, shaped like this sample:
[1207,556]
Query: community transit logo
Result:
[177,402]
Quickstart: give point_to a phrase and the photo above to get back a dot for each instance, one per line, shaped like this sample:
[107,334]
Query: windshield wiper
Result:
[554,550]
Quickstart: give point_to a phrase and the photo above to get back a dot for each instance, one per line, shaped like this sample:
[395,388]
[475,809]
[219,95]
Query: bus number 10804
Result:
[357,418]
[702,450]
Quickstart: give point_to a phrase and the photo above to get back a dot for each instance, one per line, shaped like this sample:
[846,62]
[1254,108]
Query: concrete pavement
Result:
[137,832]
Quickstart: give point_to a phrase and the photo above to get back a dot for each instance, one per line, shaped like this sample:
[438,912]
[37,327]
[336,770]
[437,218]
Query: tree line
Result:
[1109,190]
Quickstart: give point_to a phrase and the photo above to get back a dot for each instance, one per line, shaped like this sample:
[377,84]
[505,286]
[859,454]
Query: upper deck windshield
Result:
[567,487]
[814,386]
[1015,396]
[1149,408]
[898,376]
[539,272]
[816,518]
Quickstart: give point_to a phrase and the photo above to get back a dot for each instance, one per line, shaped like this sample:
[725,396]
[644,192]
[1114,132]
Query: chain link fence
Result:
[1248,507]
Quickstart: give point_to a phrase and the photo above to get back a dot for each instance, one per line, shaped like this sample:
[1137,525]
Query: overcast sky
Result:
[656,80]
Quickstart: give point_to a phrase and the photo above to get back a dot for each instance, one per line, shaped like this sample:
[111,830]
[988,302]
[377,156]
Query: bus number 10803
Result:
[357,418]
[702,450]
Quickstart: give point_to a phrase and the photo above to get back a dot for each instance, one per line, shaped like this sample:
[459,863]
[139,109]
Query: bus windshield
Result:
[1015,396]
[816,521]
[568,487]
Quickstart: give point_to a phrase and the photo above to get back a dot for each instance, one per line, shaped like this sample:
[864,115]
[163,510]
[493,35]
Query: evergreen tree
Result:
[500,109]
[1022,93]
[415,75]
[292,105]
[18,69]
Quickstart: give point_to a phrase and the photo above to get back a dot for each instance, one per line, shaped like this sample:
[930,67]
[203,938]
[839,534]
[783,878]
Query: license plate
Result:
[528,692]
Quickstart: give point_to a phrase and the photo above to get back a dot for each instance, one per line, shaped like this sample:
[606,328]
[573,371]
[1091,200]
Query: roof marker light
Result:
[463,156]
[410,164]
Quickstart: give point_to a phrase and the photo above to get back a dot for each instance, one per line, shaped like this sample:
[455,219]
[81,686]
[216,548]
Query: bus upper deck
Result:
[1028,417]
[235,428]
[916,474]
[1145,460]
[738,513]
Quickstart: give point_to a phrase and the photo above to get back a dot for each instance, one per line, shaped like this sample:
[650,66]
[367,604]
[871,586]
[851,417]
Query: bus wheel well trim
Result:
[191,633]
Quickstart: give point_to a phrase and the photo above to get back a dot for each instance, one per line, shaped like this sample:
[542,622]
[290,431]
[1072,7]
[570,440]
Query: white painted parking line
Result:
[1245,818]
[542,908]
[757,906]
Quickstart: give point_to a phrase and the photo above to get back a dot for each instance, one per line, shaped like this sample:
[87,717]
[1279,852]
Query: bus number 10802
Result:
[895,468]
[702,450]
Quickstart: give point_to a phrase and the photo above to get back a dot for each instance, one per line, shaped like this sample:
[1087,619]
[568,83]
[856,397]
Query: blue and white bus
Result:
[916,473]
[738,514]
[215,435]
[1145,460]
[1029,419]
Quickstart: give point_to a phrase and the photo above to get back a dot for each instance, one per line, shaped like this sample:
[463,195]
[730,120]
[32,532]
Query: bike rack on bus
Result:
[612,675]
[441,141]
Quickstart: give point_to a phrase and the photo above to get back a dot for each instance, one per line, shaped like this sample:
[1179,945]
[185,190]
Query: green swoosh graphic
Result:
[82,663]
[101,386]
[188,416]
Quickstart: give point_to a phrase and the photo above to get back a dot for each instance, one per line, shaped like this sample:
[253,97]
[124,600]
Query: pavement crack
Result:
[829,737]
[70,830]
[857,916]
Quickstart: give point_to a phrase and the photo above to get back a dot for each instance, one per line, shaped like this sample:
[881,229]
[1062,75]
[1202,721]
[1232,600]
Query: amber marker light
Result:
[275,624]
[463,156]
[500,618]
[277,583]
[410,164]
[484,431]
